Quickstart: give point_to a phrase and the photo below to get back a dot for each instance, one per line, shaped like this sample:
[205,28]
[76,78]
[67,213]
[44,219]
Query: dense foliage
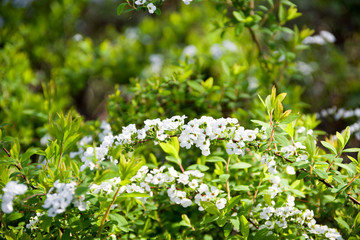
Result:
[196,143]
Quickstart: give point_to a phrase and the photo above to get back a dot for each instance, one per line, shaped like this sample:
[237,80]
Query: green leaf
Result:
[351,150]
[262,101]
[215,159]
[225,67]
[350,171]
[81,190]
[232,203]
[290,130]
[120,8]
[186,220]
[122,224]
[14,216]
[244,226]
[228,229]
[224,177]
[195,86]
[339,188]
[236,222]
[340,140]
[221,221]
[282,13]
[310,145]
[208,83]
[169,148]
[261,123]
[208,219]
[199,167]
[172,159]
[342,224]
[292,117]
[357,221]
[346,135]
[133,194]
[210,207]
[267,199]
[29,153]
[241,188]
[321,173]
[238,16]
[261,234]
[240,165]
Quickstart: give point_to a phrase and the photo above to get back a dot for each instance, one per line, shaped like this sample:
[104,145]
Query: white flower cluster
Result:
[88,155]
[342,113]
[33,221]
[282,216]
[305,68]
[321,39]
[182,188]
[197,132]
[10,190]
[292,149]
[269,161]
[275,188]
[217,50]
[287,151]
[59,197]
[106,187]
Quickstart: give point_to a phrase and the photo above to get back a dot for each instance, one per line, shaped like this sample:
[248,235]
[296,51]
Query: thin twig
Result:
[19,168]
[108,211]
[266,16]
[249,220]
[227,181]
[329,185]
[35,195]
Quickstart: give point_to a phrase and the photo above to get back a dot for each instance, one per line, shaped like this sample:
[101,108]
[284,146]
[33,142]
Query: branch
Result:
[227,182]
[107,212]
[19,168]
[329,185]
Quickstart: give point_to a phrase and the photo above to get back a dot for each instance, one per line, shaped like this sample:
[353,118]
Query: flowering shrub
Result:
[247,183]
[208,172]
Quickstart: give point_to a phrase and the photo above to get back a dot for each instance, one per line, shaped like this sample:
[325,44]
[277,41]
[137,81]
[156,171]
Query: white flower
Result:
[186,202]
[216,51]
[290,201]
[193,184]
[267,213]
[290,170]
[171,191]
[190,51]
[183,178]
[80,204]
[203,188]
[10,190]
[327,36]
[187,2]
[179,195]
[275,180]
[140,2]
[58,201]
[281,223]
[213,192]
[274,190]
[229,46]
[151,7]
[220,204]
